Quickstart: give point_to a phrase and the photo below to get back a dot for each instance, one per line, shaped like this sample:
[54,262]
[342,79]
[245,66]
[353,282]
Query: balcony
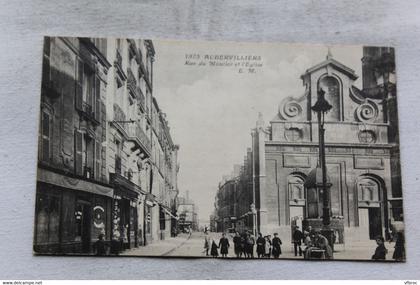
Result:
[142,99]
[139,137]
[142,68]
[131,82]
[88,113]
[134,50]
[118,65]
[125,186]
[119,120]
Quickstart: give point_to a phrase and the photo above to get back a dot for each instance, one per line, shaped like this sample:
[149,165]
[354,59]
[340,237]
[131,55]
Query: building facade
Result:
[96,162]
[187,212]
[360,156]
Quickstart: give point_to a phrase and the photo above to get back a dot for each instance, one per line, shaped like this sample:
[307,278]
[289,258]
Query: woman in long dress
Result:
[214,252]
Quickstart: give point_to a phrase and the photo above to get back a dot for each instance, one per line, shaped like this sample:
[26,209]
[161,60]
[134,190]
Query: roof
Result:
[339,66]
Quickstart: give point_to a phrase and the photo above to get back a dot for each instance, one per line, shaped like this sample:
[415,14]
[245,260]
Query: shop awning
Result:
[170,214]
[64,181]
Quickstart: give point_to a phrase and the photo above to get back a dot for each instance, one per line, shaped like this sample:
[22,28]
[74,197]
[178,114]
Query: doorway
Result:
[83,224]
[370,207]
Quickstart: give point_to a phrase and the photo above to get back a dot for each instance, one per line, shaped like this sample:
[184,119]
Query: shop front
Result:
[125,214]
[70,213]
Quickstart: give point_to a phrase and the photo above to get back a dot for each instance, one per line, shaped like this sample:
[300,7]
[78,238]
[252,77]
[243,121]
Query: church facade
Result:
[358,157]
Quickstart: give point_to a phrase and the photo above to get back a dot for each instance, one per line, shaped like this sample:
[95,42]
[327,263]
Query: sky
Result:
[212,109]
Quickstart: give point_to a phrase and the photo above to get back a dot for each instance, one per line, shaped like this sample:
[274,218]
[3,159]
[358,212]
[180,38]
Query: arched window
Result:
[368,190]
[296,190]
[331,86]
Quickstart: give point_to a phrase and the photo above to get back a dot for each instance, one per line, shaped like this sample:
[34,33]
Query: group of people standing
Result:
[316,245]
[244,245]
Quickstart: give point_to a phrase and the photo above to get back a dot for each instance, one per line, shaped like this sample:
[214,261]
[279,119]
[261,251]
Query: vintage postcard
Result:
[218,149]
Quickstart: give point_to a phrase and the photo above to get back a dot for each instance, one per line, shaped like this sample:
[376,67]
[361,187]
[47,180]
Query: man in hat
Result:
[297,240]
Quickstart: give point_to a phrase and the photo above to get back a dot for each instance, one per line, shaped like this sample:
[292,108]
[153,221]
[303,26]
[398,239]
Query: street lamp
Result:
[253,204]
[321,107]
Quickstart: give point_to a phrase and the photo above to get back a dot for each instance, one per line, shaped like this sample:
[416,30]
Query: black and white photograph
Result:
[217,149]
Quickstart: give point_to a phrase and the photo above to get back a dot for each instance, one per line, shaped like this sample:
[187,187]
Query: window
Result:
[313,202]
[88,87]
[368,190]
[85,154]
[45,136]
[88,91]
[118,156]
[331,86]
[296,190]
[47,219]
[130,174]
[149,220]
[46,72]
[88,155]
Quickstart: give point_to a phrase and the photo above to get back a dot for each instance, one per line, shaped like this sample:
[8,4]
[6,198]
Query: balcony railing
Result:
[119,119]
[118,59]
[131,81]
[118,65]
[142,99]
[138,136]
[88,112]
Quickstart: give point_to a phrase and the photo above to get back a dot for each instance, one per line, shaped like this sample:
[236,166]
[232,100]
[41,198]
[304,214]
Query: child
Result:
[214,251]
[381,251]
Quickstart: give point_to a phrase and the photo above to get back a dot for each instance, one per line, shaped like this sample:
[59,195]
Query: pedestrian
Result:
[260,245]
[307,241]
[297,240]
[214,252]
[206,243]
[321,242]
[224,245]
[381,251]
[249,246]
[243,244]
[100,246]
[399,252]
[237,245]
[267,246]
[276,246]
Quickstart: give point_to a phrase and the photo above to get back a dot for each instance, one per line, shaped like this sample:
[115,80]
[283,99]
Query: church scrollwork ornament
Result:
[290,110]
[367,111]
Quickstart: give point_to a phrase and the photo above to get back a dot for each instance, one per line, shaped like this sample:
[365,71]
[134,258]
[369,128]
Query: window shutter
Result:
[46,63]
[98,98]
[78,155]
[45,136]
[79,86]
[98,149]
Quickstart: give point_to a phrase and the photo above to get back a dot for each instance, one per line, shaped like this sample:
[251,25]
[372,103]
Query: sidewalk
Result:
[354,251]
[158,248]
